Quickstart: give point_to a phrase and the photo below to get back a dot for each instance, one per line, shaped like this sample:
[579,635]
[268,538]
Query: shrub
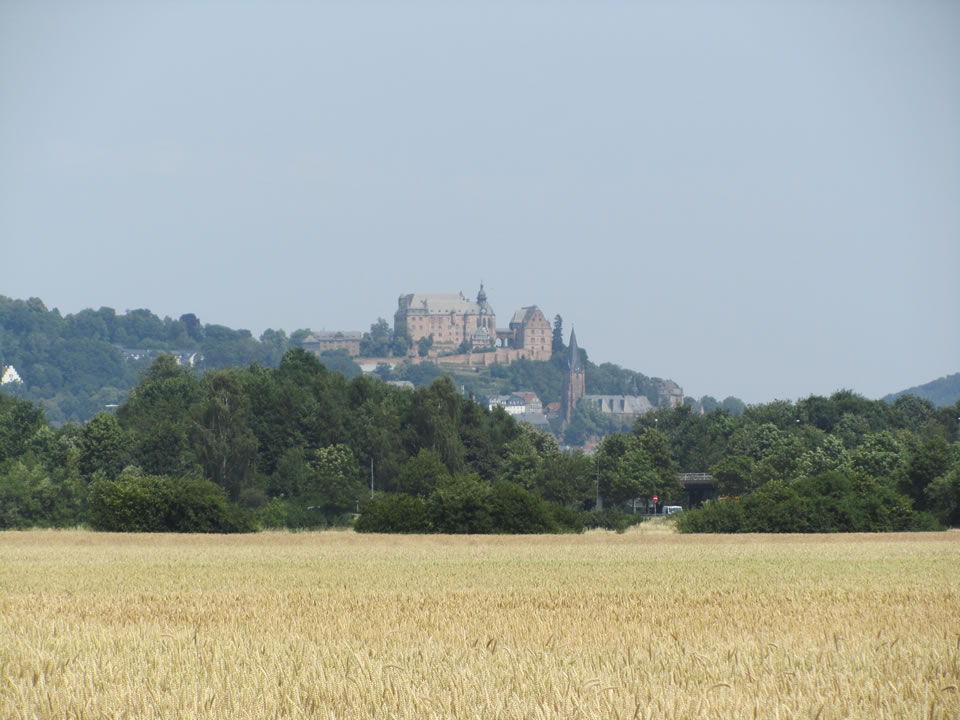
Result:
[460,505]
[516,510]
[830,502]
[389,513]
[157,503]
[609,519]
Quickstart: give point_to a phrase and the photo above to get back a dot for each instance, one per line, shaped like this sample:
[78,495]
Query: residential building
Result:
[513,404]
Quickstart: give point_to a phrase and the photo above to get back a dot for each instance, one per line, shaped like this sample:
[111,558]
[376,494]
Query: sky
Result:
[750,198]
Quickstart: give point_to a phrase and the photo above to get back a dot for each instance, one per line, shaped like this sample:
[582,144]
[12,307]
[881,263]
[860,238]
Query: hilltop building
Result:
[670,394]
[626,408]
[319,342]
[450,319]
[529,330]
[457,323]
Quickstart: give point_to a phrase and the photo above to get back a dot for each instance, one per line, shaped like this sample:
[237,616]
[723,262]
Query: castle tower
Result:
[574,382]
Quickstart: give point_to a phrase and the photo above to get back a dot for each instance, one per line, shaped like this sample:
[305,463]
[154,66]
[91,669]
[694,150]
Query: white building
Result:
[8,374]
[513,404]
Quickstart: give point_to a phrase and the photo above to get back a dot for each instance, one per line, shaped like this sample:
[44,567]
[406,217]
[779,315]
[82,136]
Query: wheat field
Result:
[339,625]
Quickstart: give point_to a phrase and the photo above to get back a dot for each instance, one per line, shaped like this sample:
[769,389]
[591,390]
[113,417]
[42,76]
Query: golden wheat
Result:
[337,625]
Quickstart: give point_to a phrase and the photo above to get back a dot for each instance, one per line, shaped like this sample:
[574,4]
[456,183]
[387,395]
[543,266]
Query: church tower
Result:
[574,383]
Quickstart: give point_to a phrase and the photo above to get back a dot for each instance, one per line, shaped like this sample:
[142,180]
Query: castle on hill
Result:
[456,323]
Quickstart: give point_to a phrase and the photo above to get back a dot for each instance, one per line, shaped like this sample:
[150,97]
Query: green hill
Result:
[941,392]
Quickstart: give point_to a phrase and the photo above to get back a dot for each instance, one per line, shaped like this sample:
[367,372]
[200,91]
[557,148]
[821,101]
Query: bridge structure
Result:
[699,487]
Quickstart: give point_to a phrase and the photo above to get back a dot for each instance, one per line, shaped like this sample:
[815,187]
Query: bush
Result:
[273,514]
[609,519]
[516,510]
[302,514]
[388,513]
[460,505]
[830,502]
[568,520]
[157,503]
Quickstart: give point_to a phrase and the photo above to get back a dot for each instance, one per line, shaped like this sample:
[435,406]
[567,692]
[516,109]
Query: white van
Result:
[671,509]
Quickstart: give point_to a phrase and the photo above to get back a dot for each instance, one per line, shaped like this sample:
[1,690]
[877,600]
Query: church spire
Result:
[573,358]
[574,383]
[482,295]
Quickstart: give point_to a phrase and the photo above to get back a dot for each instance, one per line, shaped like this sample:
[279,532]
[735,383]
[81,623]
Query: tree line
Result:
[301,446]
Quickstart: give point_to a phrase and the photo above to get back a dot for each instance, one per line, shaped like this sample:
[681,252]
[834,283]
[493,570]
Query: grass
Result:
[646,624]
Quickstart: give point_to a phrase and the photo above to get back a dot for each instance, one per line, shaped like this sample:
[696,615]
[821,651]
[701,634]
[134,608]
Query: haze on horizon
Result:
[750,200]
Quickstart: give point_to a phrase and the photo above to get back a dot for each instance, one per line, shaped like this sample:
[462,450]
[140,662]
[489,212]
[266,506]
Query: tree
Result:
[104,446]
[460,505]
[273,345]
[341,362]
[400,345]
[522,463]
[943,497]
[556,344]
[434,422]
[222,439]
[424,344]
[422,474]
[377,342]
[568,479]
[923,465]
[192,324]
[733,405]
[157,418]
[656,445]
[19,421]
[733,475]
[335,479]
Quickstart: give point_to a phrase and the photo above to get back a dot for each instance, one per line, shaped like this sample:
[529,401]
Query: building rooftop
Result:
[443,304]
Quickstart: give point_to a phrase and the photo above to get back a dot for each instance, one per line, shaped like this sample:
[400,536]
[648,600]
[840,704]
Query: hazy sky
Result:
[751,198]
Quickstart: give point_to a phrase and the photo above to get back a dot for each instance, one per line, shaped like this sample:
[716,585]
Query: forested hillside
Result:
[299,445]
[75,365]
[941,392]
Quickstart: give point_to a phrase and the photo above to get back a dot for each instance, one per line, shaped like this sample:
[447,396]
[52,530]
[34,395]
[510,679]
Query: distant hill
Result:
[941,392]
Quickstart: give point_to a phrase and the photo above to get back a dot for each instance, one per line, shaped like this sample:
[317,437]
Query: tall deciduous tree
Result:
[223,441]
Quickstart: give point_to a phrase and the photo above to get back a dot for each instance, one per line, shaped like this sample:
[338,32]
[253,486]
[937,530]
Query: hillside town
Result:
[459,335]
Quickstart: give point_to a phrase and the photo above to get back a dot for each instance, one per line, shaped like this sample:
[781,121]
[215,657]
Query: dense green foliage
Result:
[831,502]
[298,445]
[821,464]
[158,503]
[75,365]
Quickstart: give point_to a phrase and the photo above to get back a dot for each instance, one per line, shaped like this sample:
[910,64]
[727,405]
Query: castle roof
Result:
[442,304]
[445,304]
[329,335]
